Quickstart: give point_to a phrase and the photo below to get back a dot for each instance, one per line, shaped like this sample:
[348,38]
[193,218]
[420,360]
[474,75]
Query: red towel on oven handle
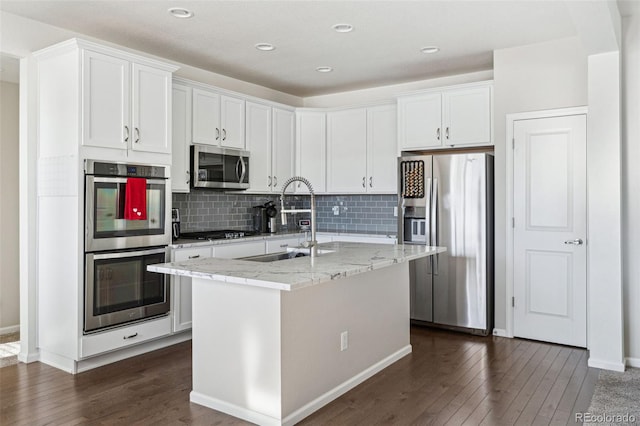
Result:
[135,199]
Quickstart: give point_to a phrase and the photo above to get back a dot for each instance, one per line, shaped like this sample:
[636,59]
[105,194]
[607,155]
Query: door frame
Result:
[509,282]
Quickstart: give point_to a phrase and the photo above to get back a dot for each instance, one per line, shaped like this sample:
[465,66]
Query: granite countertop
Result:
[346,259]
[181,243]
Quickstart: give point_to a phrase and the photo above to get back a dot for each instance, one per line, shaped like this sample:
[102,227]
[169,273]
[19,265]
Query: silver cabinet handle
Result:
[269,184]
[131,336]
[137,131]
[188,177]
[370,181]
[195,256]
[446,132]
[576,242]
[126,129]
[275,181]
[364,180]
[224,134]
[438,133]
[284,245]
[217,133]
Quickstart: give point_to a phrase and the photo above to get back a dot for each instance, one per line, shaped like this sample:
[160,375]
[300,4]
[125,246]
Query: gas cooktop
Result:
[224,234]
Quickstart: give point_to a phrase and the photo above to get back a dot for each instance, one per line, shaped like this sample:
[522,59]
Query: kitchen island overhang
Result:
[274,342]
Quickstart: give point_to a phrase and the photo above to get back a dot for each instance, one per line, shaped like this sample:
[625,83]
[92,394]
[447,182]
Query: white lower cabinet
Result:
[275,246]
[181,287]
[122,337]
[233,251]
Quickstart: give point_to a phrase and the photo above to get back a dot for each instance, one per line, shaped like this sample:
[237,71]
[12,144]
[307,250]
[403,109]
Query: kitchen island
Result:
[275,341]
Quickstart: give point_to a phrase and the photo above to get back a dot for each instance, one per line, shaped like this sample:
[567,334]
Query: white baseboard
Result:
[501,332]
[10,329]
[633,362]
[305,410]
[28,358]
[606,365]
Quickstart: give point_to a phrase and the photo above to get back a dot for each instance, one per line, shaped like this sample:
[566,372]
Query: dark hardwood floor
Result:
[449,379]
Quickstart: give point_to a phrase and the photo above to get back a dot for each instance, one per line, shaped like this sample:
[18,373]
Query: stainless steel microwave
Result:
[219,168]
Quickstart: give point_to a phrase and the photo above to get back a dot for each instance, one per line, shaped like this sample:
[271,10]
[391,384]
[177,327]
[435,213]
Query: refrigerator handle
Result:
[434,241]
[427,240]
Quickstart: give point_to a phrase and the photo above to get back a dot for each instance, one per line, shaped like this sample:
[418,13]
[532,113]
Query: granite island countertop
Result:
[344,260]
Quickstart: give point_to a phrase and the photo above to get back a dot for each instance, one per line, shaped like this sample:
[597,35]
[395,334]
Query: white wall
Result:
[389,93]
[9,260]
[528,78]
[631,185]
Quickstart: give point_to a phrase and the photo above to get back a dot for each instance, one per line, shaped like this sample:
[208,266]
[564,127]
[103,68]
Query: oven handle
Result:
[124,180]
[121,254]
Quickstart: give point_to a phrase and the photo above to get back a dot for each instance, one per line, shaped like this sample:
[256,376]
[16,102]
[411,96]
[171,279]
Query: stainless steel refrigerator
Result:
[447,200]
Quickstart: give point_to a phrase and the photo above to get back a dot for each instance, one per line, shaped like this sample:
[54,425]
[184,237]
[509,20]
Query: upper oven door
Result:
[105,226]
[219,168]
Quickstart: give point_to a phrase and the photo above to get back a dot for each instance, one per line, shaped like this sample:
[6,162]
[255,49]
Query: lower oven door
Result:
[119,289]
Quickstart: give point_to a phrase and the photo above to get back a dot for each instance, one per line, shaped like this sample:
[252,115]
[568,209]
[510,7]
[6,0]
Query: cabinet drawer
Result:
[274,246]
[190,253]
[123,337]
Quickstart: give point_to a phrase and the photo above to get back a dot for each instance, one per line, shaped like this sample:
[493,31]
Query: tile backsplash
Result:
[206,210]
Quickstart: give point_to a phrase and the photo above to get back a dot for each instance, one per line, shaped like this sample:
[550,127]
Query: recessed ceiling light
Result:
[324,69]
[180,12]
[430,49]
[343,28]
[266,47]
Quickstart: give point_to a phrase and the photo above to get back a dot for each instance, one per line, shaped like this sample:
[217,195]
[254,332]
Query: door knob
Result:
[576,242]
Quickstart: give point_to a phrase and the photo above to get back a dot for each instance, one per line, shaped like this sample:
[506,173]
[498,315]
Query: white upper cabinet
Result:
[420,121]
[467,116]
[218,119]
[271,146]
[126,105]
[382,133]
[361,150]
[347,151]
[456,116]
[311,149]
[181,135]
[283,142]
[259,146]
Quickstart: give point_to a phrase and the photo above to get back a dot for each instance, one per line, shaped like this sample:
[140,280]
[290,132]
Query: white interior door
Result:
[550,291]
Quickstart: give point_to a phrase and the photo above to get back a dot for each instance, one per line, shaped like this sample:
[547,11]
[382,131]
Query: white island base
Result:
[273,357]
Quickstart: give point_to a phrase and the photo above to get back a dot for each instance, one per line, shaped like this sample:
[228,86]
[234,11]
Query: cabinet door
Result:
[206,117]
[382,136]
[259,145]
[234,251]
[419,121]
[181,288]
[283,147]
[467,116]
[232,121]
[347,151]
[311,150]
[105,101]
[151,119]
[181,135]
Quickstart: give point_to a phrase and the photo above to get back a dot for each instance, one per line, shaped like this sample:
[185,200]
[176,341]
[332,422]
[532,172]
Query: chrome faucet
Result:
[313,243]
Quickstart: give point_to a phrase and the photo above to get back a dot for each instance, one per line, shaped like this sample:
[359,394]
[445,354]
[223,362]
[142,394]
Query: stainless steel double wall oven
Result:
[118,287]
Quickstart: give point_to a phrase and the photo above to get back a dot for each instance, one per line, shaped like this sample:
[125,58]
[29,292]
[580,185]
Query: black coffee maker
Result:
[264,218]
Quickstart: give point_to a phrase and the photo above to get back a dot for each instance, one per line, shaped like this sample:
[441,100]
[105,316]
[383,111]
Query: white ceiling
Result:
[383,49]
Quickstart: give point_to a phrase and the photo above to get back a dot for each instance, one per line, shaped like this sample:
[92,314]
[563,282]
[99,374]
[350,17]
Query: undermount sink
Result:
[283,255]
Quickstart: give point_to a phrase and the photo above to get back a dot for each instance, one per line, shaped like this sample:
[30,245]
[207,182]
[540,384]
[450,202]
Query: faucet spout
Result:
[313,243]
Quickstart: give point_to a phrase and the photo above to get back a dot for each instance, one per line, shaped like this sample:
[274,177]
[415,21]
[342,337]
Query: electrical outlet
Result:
[395,211]
[336,210]
[344,341]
